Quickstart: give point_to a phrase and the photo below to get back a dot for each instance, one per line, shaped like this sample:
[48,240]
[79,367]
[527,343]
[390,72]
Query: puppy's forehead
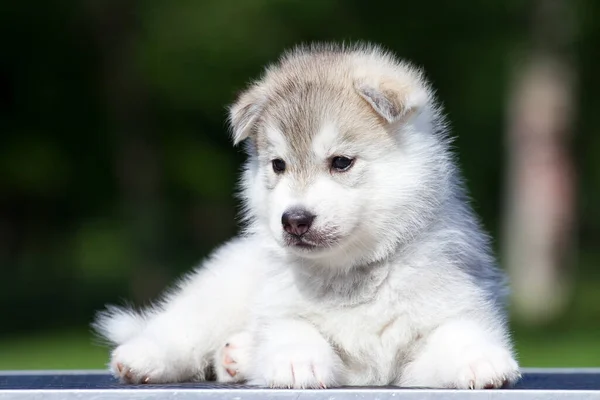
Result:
[310,119]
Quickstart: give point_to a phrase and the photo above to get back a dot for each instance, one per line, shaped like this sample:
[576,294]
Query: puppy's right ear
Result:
[244,113]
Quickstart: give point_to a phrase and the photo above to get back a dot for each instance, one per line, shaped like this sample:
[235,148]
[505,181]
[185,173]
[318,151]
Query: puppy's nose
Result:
[297,221]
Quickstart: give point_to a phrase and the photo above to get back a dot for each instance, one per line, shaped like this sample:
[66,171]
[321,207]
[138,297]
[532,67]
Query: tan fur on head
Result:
[393,89]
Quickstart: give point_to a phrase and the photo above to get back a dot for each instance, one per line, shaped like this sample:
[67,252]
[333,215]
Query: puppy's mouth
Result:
[300,244]
[311,241]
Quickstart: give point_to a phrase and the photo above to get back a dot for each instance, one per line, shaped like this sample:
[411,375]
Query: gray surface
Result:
[536,384]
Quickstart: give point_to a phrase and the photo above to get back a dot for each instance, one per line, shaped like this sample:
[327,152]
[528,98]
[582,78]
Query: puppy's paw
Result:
[298,366]
[231,360]
[142,361]
[462,354]
[481,366]
[488,367]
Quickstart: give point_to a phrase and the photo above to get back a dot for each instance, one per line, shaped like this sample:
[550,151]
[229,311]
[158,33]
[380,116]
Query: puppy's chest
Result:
[381,325]
[378,323]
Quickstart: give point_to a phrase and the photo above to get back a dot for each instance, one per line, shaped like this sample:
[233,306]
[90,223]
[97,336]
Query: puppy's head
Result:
[346,158]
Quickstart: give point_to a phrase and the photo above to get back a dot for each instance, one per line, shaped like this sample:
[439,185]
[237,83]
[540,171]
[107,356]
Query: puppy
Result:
[362,262]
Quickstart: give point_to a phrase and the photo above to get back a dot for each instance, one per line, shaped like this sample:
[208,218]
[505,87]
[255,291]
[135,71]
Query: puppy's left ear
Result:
[396,100]
[244,113]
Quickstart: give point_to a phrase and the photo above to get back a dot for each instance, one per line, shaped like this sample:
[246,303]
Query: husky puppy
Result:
[362,262]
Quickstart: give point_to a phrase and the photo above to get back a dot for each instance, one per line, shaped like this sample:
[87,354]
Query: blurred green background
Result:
[117,175]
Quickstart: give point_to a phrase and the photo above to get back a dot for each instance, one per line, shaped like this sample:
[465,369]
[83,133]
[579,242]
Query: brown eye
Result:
[341,164]
[278,165]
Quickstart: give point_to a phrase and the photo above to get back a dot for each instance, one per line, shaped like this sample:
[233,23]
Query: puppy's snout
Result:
[297,221]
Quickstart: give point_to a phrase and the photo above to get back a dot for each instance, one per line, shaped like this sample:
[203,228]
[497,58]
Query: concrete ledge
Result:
[536,384]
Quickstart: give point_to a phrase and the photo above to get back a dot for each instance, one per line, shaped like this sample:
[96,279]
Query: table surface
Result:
[549,383]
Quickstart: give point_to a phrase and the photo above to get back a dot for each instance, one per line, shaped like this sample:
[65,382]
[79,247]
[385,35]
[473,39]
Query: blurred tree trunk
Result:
[136,161]
[539,215]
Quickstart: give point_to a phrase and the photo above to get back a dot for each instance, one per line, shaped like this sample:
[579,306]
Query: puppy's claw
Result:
[128,375]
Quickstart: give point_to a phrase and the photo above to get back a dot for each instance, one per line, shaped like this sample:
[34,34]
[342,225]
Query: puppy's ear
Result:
[393,99]
[245,111]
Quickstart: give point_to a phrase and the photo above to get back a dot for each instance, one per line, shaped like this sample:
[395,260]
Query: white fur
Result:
[403,290]
[325,140]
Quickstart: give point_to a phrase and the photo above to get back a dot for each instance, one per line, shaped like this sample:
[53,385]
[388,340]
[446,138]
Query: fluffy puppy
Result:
[362,262]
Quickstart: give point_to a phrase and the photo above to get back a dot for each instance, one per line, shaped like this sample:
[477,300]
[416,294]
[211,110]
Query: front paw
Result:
[141,361]
[476,366]
[296,366]
[486,368]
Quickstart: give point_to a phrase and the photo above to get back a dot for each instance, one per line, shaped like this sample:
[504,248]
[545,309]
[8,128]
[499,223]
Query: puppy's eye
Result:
[341,164]
[278,165]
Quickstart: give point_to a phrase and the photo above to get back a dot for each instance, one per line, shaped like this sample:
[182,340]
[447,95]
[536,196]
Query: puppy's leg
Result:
[176,341]
[462,354]
[293,354]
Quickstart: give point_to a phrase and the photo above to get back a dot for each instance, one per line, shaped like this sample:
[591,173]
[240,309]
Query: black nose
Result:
[297,221]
